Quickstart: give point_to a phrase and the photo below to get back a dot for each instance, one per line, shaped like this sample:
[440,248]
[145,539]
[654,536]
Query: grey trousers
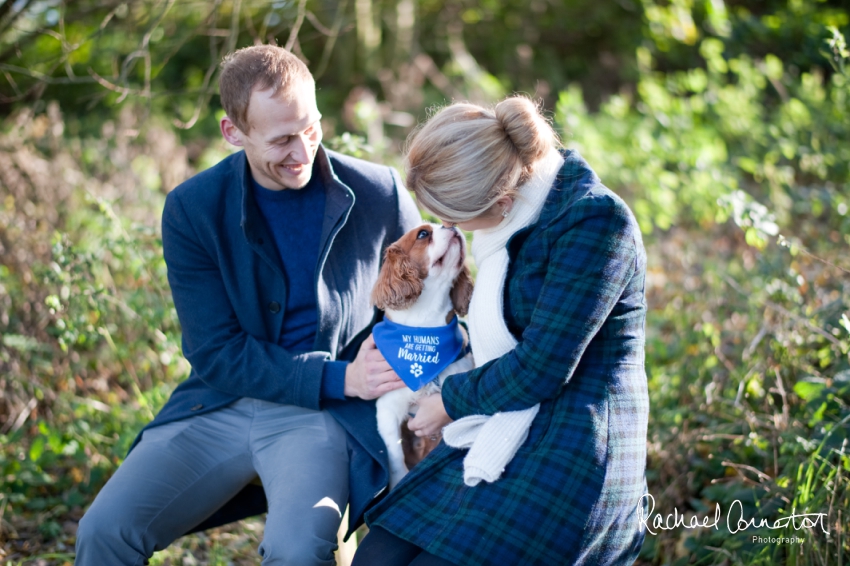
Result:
[181,472]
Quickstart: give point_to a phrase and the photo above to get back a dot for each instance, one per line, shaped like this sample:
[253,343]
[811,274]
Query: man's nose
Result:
[301,149]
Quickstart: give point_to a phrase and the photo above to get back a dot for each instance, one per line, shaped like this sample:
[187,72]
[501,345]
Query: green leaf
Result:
[807,390]
[773,67]
[37,449]
[21,343]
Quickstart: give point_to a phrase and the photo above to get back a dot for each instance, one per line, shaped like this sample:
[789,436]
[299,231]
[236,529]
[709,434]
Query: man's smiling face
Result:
[283,136]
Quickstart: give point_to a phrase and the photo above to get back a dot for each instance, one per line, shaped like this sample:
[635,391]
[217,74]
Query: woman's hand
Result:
[430,418]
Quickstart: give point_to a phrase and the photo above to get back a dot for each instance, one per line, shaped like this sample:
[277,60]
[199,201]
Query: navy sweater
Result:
[294,217]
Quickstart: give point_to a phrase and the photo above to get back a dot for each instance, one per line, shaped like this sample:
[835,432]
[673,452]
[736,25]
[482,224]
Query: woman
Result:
[557,332]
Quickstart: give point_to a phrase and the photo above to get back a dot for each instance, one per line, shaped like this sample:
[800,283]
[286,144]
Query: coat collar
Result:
[339,199]
[574,180]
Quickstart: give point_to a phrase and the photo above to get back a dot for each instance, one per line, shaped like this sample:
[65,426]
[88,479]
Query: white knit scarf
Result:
[493,440]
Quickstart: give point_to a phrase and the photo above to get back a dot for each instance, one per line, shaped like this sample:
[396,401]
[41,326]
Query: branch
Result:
[329,44]
[12,425]
[428,67]
[66,47]
[47,78]
[14,16]
[234,26]
[205,22]
[13,83]
[142,50]
[81,15]
[44,77]
[317,24]
[125,92]
[293,35]
[761,475]
[4,9]
[780,388]
[822,260]
[786,312]
[206,92]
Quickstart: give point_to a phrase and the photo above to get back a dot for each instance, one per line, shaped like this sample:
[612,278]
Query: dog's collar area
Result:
[419,354]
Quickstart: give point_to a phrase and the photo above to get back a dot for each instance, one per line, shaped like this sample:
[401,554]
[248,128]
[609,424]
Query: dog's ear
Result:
[461,292]
[399,283]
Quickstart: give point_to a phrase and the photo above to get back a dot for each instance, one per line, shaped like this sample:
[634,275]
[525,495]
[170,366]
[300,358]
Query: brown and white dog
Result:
[423,283]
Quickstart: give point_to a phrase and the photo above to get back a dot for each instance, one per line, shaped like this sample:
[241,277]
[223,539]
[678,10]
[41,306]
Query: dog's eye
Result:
[422,234]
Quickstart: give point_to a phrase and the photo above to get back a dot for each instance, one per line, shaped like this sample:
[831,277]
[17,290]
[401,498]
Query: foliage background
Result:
[724,123]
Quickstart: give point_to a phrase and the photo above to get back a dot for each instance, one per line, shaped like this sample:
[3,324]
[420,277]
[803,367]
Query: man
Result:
[271,255]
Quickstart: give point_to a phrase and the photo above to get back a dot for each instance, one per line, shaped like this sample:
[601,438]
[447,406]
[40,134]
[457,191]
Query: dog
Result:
[423,286]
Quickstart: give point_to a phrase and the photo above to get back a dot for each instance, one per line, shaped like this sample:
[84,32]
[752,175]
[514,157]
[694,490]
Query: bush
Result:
[90,339]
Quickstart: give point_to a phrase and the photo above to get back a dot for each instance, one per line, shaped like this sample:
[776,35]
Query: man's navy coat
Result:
[229,289]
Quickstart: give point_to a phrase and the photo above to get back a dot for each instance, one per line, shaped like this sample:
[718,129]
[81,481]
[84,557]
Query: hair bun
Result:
[529,132]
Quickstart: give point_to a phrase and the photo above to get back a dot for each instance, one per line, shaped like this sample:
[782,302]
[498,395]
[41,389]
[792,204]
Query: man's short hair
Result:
[258,67]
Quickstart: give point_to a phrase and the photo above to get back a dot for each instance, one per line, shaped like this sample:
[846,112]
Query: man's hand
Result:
[369,376]
[430,418]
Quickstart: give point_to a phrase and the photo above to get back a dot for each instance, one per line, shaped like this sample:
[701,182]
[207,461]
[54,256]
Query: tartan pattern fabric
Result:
[575,298]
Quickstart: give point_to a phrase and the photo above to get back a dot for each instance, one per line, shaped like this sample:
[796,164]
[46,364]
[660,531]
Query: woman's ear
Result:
[399,283]
[505,204]
[461,292]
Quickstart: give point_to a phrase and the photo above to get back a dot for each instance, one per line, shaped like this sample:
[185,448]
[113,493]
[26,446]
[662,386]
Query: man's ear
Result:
[230,132]
[461,292]
[399,284]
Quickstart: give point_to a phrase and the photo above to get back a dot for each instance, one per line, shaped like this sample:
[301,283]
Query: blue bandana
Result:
[418,355]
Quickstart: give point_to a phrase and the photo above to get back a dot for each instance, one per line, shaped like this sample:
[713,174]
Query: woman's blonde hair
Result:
[466,157]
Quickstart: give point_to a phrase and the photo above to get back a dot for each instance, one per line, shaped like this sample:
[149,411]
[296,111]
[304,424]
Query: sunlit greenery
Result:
[725,125]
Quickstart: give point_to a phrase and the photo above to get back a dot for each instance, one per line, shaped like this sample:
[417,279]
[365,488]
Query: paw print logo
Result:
[416,370]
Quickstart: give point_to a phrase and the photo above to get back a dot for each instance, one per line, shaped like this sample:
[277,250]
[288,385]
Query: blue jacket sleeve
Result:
[333,380]
[590,263]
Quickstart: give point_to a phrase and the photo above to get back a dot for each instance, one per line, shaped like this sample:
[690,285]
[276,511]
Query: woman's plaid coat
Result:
[574,298]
